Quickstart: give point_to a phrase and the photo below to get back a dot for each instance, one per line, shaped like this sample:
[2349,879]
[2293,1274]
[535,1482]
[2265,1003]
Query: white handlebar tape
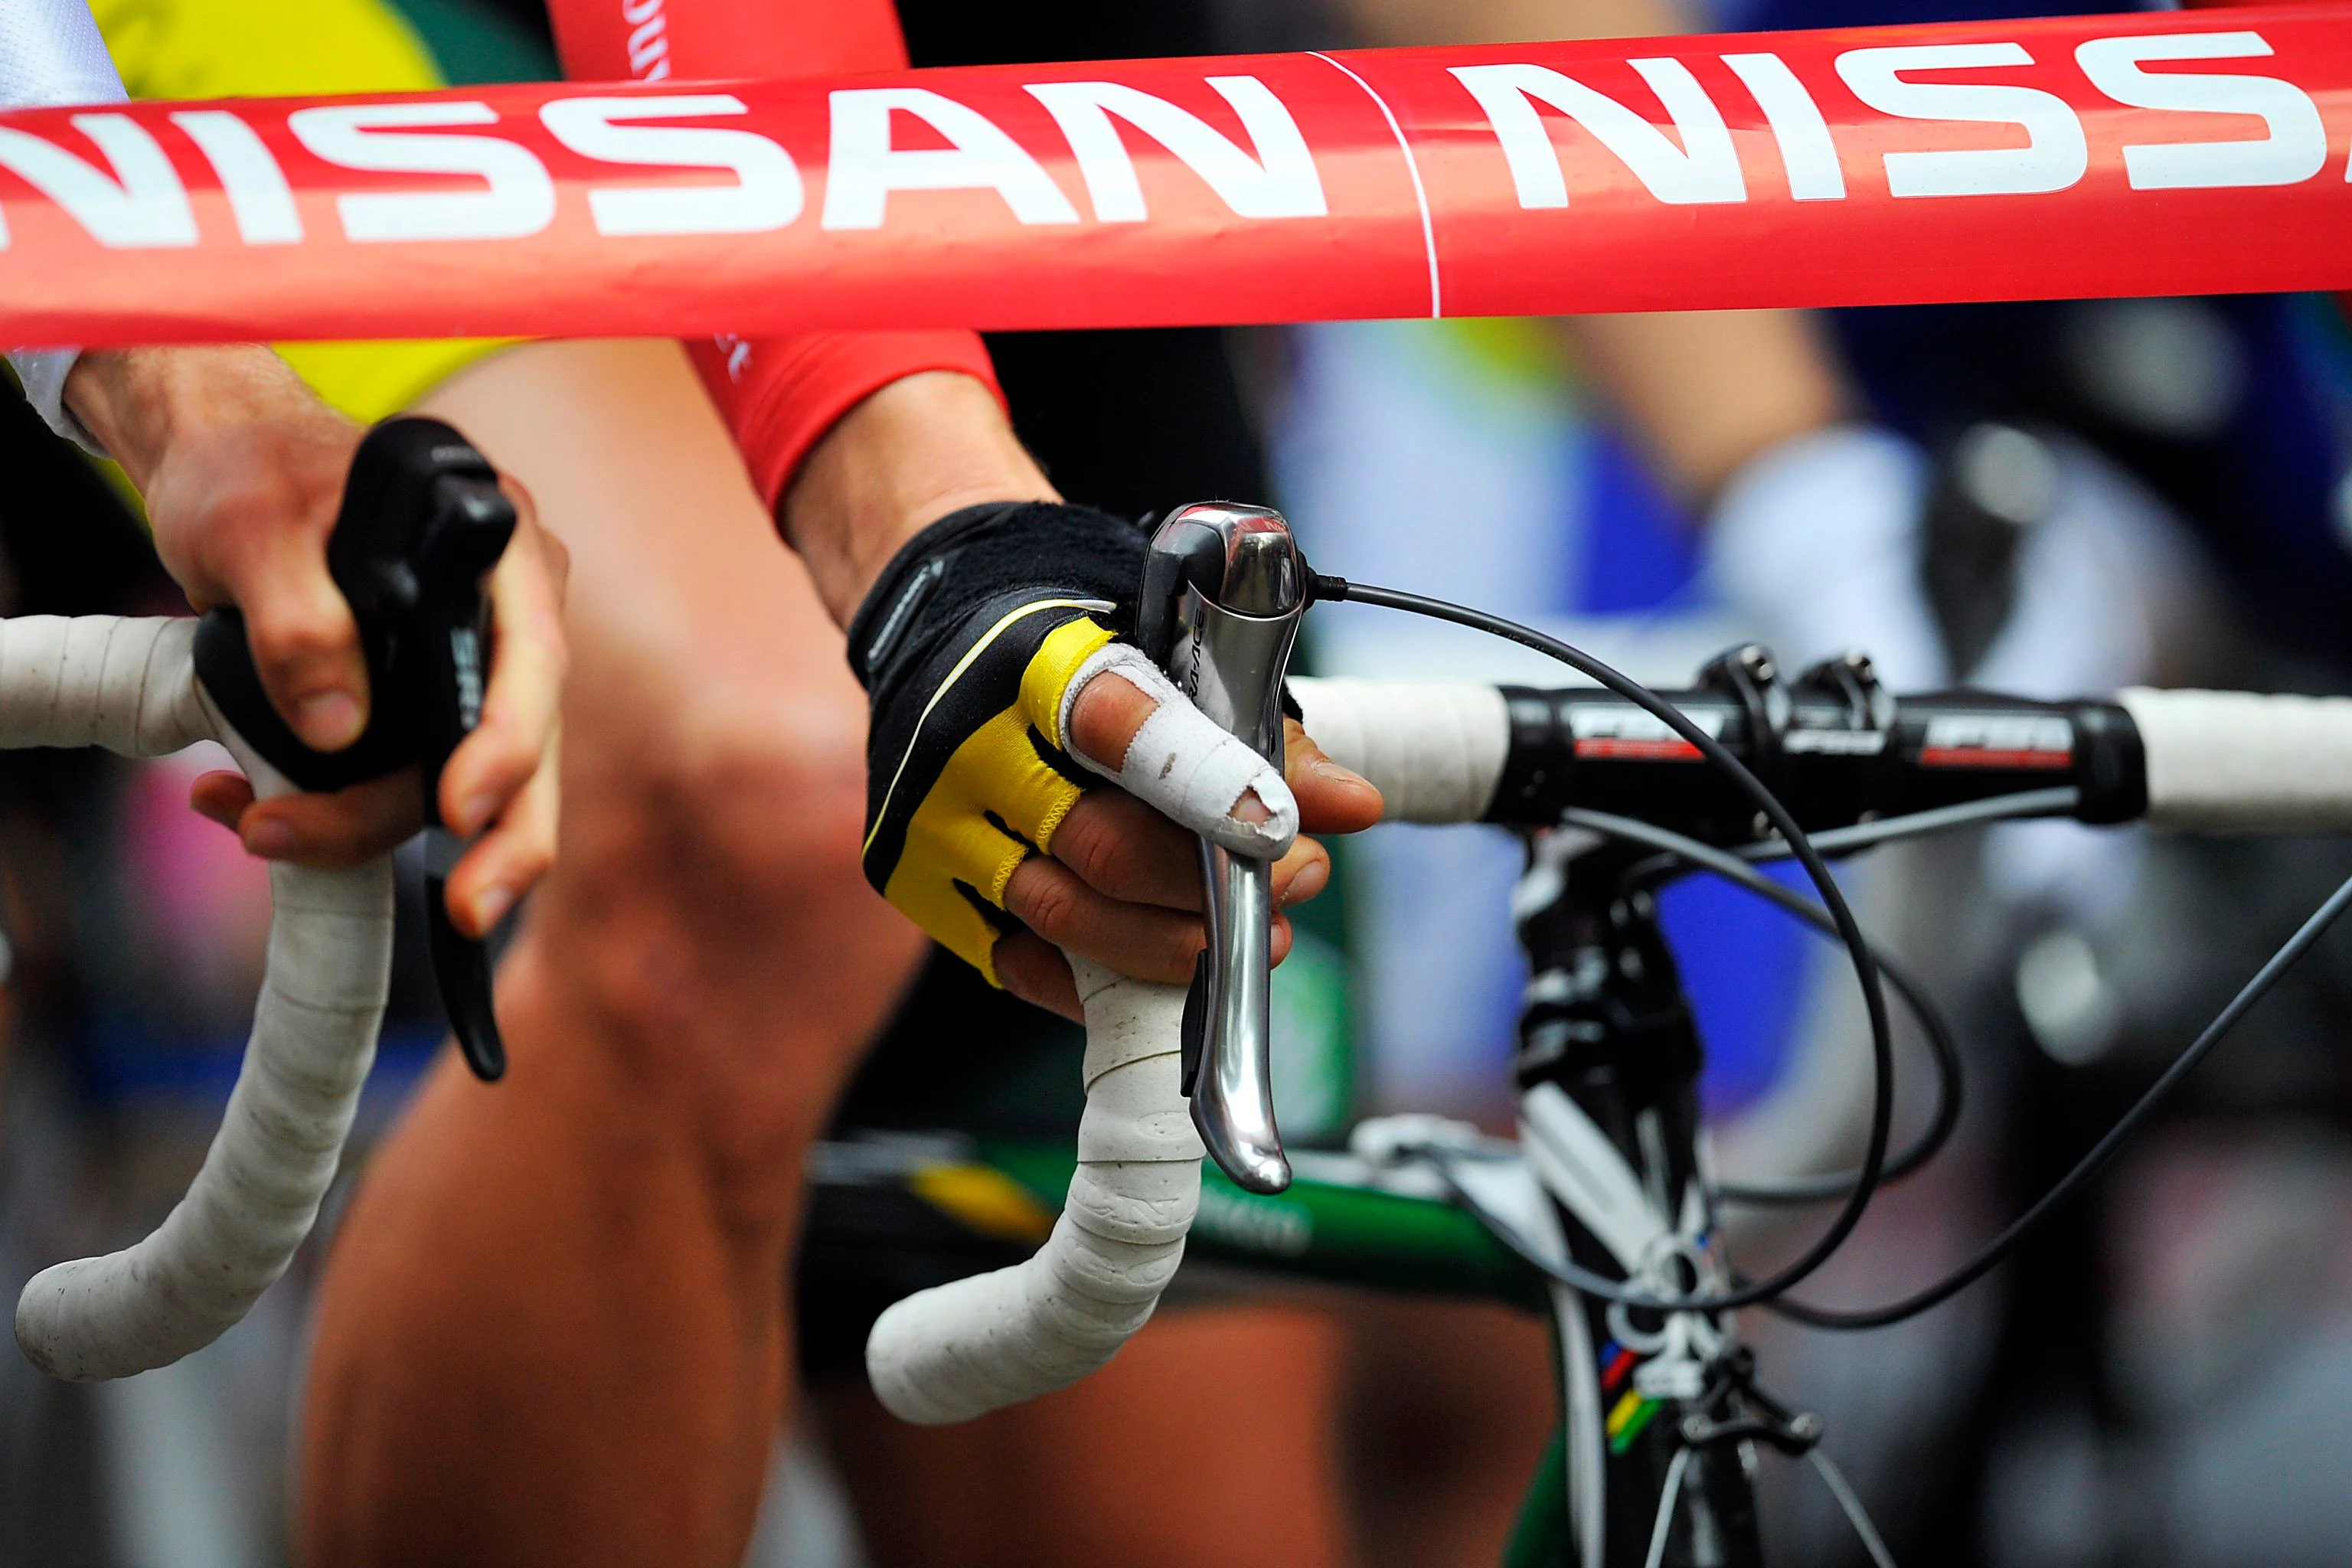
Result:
[101,680]
[961,1350]
[2235,761]
[1434,749]
[130,686]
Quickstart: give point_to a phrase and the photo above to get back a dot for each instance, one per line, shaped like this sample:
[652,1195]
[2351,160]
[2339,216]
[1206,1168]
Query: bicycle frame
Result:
[1607,1025]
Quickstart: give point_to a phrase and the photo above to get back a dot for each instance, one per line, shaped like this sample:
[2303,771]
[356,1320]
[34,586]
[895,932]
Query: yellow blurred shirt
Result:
[259,48]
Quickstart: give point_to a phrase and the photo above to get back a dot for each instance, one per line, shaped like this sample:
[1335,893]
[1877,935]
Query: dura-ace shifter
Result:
[422,519]
[1223,594]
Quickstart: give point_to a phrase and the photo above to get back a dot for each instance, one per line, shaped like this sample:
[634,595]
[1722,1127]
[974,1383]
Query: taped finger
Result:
[1180,763]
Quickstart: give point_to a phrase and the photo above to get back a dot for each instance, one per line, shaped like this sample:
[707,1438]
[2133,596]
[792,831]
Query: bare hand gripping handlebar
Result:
[421,522]
[422,519]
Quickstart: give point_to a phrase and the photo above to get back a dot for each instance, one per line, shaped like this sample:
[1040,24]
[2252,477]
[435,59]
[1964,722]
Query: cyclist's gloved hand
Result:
[975,646]
[1818,540]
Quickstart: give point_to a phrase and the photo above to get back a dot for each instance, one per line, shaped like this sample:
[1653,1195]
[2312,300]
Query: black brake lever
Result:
[422,519]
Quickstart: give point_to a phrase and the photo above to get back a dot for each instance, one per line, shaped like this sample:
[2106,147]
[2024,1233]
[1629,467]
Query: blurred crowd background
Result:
[2165,1377]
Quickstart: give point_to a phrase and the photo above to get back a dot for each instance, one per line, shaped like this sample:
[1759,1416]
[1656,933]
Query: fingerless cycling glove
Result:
[973,646]
[967,645]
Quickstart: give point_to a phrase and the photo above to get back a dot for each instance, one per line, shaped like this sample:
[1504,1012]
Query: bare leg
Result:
[555,1326]
[1448,1405]
[1210,1440]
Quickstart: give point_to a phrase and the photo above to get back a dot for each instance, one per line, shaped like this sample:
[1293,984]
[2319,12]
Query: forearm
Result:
[1705,392]
[921,448]
[139,402]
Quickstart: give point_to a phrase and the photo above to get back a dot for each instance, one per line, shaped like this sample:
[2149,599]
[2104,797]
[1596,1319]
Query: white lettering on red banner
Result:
[516,197]
[1279,180]
[259,196]
[1705,168]
[139,205]
[2186,153]
[1808,154]
[2054,157]
[867,166]
[2294,149]
[766,194]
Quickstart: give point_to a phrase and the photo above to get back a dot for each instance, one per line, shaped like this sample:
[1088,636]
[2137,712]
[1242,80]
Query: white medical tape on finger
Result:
[130,686]
[2234,761]
[1434,750]
[1182,764]
[963,1350]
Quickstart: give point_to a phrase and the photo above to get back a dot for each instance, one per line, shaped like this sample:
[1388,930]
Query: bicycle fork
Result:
[1661,1413]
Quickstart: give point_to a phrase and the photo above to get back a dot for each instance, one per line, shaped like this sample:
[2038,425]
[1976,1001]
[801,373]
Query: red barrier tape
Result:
[2186,152]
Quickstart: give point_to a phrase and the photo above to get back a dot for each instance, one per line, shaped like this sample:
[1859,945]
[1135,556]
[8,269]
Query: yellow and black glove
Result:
[974,644]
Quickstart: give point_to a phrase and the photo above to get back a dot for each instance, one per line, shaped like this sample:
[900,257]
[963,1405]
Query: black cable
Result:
[2102,1152]
[1680,852]
[1882,1039]
[2061,802]
[1685,852]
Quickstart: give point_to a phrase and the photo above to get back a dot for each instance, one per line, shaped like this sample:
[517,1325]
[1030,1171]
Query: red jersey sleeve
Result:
[779,395]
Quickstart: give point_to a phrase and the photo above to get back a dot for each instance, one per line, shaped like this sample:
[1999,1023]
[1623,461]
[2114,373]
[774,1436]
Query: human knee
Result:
[736,808]
[710,866]
[707,920]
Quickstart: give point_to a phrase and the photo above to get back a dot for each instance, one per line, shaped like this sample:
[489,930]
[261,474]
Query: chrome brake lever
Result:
[1223,593]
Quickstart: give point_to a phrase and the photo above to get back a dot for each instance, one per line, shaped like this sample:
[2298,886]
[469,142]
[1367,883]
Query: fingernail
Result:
[1251,809]
[491,908]
[1333,771]
[1312,878]
[474,812]
[270,839]
[330,719]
